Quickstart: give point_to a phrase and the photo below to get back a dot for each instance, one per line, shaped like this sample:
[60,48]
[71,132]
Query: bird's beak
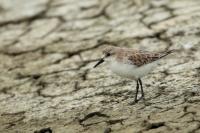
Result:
[99,62]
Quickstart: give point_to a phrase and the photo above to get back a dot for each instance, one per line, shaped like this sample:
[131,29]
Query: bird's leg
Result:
[136,93]
[141,87]
[137,88]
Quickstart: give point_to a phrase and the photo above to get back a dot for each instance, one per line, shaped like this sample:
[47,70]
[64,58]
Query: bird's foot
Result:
[141,98]
[133,102]
[137,100]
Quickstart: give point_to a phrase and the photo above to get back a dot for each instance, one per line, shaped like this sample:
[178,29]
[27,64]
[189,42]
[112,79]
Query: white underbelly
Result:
[131,71]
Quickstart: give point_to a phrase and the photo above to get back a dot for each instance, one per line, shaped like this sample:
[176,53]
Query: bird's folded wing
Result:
[140,58]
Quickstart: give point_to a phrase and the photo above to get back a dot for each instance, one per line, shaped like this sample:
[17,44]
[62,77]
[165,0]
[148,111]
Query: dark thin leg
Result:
[137,88]
[141,87]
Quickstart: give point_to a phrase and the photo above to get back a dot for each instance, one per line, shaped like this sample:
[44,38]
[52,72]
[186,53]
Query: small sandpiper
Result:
[131,64]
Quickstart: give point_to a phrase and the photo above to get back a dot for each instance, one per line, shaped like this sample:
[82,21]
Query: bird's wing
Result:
[140,58]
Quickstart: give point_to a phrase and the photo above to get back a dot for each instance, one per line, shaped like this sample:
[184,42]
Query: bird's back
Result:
[139,58]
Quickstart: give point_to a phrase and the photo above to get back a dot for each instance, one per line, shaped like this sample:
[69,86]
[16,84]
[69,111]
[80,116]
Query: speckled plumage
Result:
[134,57]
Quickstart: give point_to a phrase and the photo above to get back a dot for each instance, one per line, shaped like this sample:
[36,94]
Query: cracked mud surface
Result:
[47,50]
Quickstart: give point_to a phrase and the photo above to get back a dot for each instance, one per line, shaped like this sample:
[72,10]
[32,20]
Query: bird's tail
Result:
[170,51]
[167,53]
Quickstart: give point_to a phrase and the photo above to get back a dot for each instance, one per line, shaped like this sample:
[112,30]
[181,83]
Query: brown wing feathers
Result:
[140,58]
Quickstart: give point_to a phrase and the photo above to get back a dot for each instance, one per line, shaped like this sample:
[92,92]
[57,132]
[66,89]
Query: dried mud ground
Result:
[48,48]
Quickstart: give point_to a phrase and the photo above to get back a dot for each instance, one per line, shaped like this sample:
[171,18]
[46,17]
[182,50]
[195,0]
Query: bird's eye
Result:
[108,54]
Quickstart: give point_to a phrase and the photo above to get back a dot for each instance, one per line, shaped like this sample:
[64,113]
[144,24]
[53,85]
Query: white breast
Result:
[131,71]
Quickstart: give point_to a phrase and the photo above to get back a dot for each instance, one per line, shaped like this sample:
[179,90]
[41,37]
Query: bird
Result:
[131,63]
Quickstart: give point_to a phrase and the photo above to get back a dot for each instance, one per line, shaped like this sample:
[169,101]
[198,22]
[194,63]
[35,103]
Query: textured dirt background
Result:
[47,49]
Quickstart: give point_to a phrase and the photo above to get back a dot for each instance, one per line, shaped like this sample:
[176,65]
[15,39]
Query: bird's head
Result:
[108,53]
